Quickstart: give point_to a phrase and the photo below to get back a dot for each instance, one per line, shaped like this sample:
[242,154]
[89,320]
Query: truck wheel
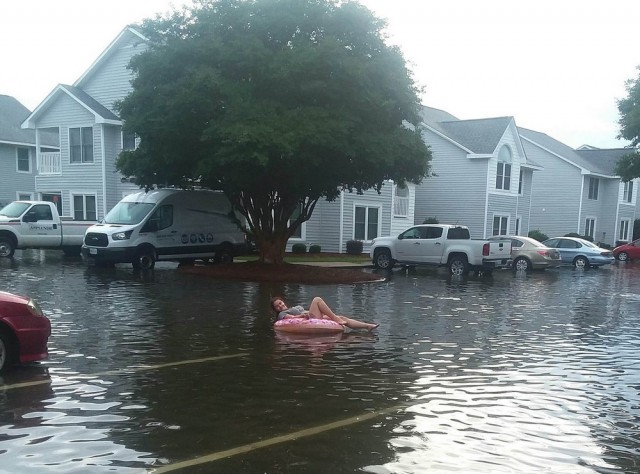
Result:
[7,249]
[458,265]
[382,259]
[72,251]
[145,259]
[521,264]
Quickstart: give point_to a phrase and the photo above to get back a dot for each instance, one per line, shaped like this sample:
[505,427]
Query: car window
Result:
[568,244]
[551,243]
[516,243]
[433,232]
[458,233]
[412,233]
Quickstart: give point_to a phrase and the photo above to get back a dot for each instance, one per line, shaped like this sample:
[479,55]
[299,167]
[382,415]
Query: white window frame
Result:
[594,185]
[518,224]
[590,222]
[521,183]
[503,224]
[302,229]
[20,196]
[623,231]
[504,169]
[83,159]
[84,195]
[367,237]
[627,192]
[28,150]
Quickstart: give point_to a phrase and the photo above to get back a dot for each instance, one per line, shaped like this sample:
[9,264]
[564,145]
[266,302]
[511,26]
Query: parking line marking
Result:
[227,453]
[125,370]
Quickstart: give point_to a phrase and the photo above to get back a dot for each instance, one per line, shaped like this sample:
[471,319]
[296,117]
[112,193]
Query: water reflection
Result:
[513,373]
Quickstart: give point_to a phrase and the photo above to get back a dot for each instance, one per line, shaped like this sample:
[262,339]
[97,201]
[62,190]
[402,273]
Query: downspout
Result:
[37,170]
[104,173]
[486,204]
[341,241]
[580,206]
[615,224]
[530,204]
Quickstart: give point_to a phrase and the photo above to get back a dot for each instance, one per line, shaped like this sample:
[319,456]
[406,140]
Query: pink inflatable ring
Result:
[308,326]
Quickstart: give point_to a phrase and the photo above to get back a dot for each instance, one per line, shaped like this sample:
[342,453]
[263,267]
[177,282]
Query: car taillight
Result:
[544,253]
[485,250]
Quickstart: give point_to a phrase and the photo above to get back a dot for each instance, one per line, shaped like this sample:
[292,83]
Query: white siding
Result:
[12,182]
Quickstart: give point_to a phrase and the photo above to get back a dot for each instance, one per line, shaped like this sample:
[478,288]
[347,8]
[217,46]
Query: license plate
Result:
[93,251]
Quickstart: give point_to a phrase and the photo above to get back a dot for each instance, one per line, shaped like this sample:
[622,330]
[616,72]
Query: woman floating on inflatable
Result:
[319,319]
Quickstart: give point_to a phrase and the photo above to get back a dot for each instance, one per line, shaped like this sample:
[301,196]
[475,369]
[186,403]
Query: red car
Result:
[627,252]
[24,330]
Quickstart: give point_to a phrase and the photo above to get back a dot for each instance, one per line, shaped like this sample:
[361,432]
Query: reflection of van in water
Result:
[166,224]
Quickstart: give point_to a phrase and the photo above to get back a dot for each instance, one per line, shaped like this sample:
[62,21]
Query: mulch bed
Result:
[282,273]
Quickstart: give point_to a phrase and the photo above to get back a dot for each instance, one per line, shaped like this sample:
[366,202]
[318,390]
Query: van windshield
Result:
[14,209]
[128,213]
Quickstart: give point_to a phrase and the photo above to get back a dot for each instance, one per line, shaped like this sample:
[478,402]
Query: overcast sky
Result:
[557,66]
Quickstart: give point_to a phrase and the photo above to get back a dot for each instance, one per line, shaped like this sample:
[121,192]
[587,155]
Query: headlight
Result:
[122,235]
[34,308]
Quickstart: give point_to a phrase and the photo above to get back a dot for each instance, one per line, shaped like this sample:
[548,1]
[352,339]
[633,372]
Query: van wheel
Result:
[224,255]
[145,259]
[7,249]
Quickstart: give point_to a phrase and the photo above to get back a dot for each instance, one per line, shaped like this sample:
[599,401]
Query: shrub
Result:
[354,247]
[299,248]
[584,237]
[636,229]
[431,220]
[539,236]
[315,248]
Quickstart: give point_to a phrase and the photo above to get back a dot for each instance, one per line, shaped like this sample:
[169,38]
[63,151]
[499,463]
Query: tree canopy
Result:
[628,166]
[278,103]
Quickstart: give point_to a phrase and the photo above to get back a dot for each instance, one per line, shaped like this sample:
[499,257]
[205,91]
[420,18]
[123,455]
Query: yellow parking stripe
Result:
[277,440]
[125,370]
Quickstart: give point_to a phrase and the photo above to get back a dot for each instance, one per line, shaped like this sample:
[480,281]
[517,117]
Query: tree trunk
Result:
[272,250]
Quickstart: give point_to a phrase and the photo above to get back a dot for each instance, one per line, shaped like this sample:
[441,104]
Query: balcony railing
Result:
[401,206]
[49,164]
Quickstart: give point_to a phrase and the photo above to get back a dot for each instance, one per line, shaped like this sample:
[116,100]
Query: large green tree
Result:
[278,103]
[628,166]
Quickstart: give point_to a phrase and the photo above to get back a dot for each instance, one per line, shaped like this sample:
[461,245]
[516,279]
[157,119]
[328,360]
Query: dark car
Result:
[627,252]
[24,330]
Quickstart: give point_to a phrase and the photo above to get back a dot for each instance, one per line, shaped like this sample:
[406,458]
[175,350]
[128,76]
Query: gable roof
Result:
[596,161]
[100,112]
[481,136]
[12,114]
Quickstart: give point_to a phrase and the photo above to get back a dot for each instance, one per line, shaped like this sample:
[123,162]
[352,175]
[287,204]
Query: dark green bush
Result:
[299,248]
[354,247]
[315,248]
[431,220]
[539,236]
[584,237]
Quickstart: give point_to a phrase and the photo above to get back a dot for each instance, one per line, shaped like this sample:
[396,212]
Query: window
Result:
[366,223]
[590,227]
[520,182]
[503,174]
[593,188]
[624,230]
[81,145]
[128,141]
[24,163]
[500,225]
[401,202]
[84,207]
[160,219]
[517,231]
[627,194]
[298,232]
[25,196]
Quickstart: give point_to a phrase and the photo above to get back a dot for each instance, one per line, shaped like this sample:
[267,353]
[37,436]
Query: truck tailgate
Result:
[499,249]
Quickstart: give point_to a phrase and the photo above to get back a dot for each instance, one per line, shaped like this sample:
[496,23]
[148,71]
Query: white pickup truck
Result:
[37,224]
[441,244]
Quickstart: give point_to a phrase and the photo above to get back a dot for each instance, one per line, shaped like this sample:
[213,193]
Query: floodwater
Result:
[166,372]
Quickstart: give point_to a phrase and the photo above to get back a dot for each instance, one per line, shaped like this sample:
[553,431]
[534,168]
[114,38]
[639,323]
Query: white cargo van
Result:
[165,224]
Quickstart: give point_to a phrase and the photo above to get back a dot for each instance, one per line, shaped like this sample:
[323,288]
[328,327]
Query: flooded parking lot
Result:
[167,372]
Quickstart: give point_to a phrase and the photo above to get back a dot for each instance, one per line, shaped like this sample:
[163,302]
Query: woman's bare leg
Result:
[319,308]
